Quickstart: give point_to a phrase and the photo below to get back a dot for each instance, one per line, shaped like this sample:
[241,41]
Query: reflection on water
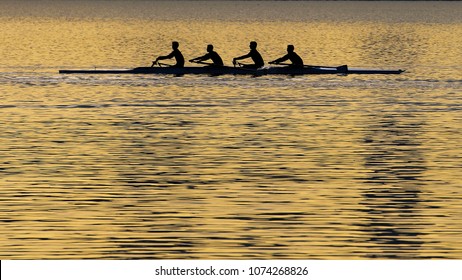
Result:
[391,45]
[143,167]
[394,204]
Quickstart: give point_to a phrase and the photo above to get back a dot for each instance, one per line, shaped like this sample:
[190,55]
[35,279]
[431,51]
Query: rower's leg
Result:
[249,66]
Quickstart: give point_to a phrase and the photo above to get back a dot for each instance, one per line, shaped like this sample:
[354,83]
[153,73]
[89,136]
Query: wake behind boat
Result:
[226,70]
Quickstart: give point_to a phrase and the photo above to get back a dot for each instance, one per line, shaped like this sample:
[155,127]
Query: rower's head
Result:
[290,48]
[253,45]
[175,45]
[210,48]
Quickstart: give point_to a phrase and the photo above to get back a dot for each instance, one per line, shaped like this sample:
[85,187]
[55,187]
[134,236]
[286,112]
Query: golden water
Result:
[323,167]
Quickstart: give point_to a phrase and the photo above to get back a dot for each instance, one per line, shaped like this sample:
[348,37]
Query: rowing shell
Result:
[234,71]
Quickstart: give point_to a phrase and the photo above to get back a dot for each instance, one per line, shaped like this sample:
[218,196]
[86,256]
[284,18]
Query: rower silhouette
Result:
[296,60]
[174,54]
[254,55]
[211,54]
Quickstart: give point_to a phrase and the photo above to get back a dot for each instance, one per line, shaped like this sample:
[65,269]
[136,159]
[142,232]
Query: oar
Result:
[340,68]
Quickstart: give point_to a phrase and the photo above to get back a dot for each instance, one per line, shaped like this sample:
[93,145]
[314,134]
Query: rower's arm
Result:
[279,60]
[171,55]
[201,58]
[243,57]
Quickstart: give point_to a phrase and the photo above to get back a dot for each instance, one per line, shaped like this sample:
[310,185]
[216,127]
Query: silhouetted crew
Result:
[174,54]
[296,60]
[254,55]
[211,54]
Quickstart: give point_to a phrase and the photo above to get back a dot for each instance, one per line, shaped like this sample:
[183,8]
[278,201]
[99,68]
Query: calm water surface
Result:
[325,167]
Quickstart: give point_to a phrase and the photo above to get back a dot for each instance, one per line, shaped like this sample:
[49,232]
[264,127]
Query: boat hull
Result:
[233,71]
